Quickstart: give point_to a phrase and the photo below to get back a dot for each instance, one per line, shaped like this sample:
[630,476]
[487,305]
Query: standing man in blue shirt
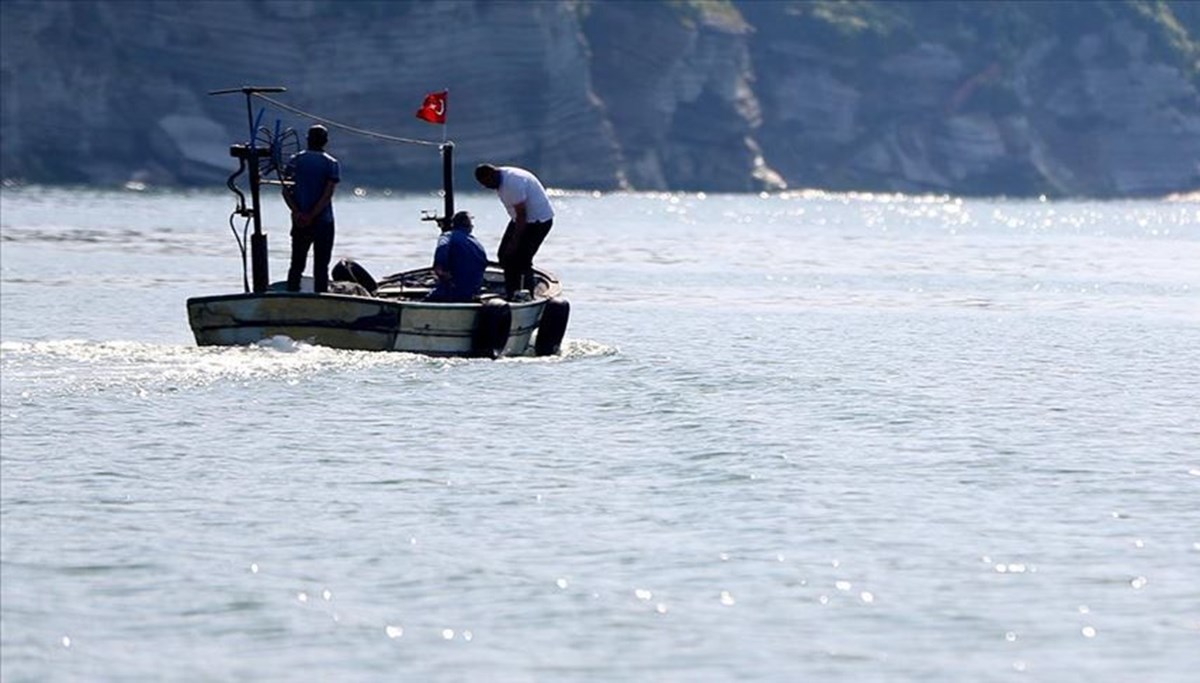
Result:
[458,262]
[314,175]
[531,216]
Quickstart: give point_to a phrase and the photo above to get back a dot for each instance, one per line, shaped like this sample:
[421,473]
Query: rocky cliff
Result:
[1058,98]
[1095,98]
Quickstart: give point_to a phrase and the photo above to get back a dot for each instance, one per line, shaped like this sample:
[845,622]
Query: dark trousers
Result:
[516,253]
[319,236]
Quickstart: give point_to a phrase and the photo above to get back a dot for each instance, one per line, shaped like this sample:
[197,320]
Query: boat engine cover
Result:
[349,270]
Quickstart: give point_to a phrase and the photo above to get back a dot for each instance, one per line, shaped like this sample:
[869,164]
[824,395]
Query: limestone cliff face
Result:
[1096,125]
[1003,98]
[1068,99]
[677,89]
[105,91]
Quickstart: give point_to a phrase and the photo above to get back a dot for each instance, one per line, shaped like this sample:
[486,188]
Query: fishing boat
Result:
[360,312]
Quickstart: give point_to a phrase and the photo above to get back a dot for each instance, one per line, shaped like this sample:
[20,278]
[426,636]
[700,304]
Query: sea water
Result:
[790,437]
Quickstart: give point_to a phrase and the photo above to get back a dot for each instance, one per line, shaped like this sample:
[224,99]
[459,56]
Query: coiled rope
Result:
[341,126]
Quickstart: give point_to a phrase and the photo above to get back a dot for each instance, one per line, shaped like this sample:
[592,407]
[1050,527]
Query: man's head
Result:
[462,221]
[318,135]
[488,176]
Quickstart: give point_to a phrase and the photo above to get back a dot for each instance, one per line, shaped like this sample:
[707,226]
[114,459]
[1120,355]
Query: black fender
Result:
[552,327]
[349,270]
[492,328]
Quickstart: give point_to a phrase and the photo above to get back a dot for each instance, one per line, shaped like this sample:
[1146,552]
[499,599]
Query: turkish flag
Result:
[434,108]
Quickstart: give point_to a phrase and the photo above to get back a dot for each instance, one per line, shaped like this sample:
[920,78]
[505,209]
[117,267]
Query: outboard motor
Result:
[349,270]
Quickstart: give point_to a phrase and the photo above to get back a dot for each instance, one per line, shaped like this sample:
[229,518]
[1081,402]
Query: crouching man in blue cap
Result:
[458,262]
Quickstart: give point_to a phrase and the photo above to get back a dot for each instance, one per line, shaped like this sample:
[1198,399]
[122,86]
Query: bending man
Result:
[531,217]
[314,176]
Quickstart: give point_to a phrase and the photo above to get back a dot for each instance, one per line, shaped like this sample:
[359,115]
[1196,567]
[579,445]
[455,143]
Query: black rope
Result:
[241,242]
[342,126]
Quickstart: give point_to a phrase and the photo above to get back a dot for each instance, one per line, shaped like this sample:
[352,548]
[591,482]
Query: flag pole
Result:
[447,160]
[448,180]
[433,110]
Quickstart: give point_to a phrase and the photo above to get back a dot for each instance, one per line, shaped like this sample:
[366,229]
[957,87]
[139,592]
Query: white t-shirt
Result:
[519,186]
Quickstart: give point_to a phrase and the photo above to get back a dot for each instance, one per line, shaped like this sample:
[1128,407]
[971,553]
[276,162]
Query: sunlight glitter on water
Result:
[880,389]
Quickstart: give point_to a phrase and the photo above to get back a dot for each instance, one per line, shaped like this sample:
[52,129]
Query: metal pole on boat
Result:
[258,240]
[448,178]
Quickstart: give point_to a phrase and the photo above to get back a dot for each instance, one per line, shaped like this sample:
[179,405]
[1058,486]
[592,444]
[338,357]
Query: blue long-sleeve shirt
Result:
[464,258]
[311,170]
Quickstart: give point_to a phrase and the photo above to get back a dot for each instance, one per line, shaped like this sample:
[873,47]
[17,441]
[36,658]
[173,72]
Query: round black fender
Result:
[491,329]
[349,270]
[552,327]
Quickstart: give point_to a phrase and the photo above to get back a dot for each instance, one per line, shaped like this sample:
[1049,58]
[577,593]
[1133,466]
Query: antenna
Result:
[258,241]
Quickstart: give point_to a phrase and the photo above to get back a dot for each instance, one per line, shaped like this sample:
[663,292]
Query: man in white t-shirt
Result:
[531,217]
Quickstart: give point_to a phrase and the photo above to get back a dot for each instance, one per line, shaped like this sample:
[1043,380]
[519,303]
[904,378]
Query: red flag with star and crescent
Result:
[434,108]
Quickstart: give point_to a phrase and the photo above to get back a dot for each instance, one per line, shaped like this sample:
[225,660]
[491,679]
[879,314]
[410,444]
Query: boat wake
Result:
[75,366]
[571,349]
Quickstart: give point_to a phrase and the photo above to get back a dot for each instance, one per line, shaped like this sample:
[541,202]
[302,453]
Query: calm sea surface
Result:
[804,437]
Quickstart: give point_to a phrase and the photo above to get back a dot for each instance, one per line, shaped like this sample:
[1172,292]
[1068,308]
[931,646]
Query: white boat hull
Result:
[389,322]
[448,329]
[342,322]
